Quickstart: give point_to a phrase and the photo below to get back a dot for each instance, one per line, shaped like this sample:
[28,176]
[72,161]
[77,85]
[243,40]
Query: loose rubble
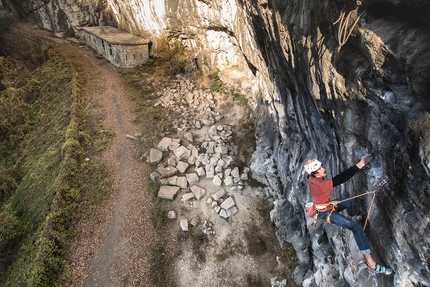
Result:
[186,161]
[178,172]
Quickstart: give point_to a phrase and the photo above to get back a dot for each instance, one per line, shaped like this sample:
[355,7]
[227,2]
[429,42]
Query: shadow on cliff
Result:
[381,107]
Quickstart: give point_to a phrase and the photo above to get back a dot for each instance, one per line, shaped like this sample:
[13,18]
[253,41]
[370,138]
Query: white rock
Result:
[227,172]
[155,176]
[163,145]
[228,203]
[220,193]
[187,196]
[214,160]
[191,160]
[222,150]
[223,213]
[217,181]
[192,178]
[182,182]
[171,161]
[164,181]
[232,211]
[166,171]
[200,171]
[182,152]
[173,146]
[216,209]
[221,162]
[210,171]
[188,137]
[194,152]
[235,172]
[212,131]
[184,224]
[155,156]
[182,166]
[244,176]
[172,180]
[198,191]
[218,169]
[171,214]
[228,180]
[168,192]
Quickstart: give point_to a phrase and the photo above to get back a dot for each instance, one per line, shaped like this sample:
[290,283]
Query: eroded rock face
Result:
[312,99]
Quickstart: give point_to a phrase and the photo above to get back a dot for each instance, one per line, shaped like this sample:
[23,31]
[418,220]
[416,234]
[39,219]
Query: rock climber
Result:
[327,209]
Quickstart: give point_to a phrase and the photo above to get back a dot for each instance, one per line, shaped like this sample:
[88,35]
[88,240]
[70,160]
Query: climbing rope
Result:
[380,185]
[345,30]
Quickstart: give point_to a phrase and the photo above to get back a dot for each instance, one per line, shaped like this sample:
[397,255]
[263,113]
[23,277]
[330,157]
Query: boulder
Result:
[198,191]
[155,156]
[228,203]
[166,171]
[220,193]
[182,182]
[168,192]
[182,166]
[163,145]
[184,224]
[187,196]
[192,178]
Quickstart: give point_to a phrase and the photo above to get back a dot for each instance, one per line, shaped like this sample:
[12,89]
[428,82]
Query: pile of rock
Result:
[181,165]
[208,228]
[184,167]
[196,106]
[219,155]
[225,207]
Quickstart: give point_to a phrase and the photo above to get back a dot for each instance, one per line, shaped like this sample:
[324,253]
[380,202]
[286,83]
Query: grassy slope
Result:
[48,154]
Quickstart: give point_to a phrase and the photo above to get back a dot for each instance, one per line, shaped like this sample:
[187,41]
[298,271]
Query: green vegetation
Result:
[216,85]
[159,218]
[242,101]
[45,137]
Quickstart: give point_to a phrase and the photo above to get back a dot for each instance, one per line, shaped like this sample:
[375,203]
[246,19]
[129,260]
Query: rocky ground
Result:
[120,245]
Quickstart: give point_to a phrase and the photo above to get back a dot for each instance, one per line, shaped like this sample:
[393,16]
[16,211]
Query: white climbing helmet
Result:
[312,165]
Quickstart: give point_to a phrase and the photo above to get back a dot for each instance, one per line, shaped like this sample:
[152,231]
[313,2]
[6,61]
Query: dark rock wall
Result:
[372,96]
[313,98]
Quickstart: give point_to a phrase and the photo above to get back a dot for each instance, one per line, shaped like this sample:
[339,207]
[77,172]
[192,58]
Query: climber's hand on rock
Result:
[367,158]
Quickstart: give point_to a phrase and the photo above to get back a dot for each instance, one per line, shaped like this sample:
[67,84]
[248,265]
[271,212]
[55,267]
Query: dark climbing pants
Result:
[345,222]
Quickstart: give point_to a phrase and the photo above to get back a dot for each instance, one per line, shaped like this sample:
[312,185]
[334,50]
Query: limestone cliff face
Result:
[313,96]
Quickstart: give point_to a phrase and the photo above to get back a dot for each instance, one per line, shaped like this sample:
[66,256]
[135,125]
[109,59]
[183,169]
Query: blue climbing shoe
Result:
[382,270]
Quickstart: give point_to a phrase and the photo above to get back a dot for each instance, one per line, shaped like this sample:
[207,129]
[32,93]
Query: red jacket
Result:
[320,188]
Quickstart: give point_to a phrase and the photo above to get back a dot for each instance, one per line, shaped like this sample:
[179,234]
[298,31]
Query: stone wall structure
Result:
[122,49]
[319,87]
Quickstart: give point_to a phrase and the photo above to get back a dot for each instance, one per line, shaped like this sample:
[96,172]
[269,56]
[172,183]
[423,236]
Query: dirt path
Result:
[115,252]
[119,261]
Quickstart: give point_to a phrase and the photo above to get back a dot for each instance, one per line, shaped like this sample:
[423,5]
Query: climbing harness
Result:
[345,29]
